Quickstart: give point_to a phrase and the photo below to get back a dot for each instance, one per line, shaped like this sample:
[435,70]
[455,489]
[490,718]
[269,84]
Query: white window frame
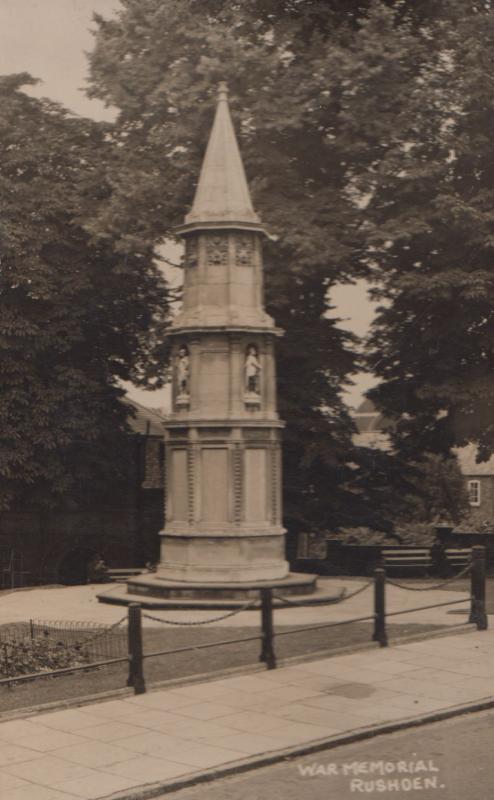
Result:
[474,495]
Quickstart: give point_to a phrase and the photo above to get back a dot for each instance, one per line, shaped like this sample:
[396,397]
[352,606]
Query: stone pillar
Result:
[223,437]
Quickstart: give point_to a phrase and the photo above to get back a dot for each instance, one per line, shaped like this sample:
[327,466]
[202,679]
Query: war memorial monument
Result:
[223,535]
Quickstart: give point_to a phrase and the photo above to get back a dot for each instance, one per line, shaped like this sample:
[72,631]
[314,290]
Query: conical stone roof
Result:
[228,295]
[222,196]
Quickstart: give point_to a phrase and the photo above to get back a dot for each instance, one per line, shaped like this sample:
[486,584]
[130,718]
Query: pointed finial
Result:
[222,196]
[222,91]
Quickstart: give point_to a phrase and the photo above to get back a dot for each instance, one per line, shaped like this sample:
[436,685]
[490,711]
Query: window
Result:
[473,488]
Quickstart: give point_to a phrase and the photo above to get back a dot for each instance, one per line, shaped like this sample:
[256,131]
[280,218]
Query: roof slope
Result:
[146,421]
[372,427]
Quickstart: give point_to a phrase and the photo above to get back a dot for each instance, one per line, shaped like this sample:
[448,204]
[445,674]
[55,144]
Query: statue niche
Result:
[252,376]
[183,376]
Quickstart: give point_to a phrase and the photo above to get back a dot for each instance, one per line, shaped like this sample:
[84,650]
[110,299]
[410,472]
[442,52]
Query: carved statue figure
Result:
[183,370]
[252,369]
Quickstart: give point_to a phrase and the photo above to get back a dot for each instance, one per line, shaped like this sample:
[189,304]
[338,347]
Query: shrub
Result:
[417,534]
[26,656]
[363,535]
[475,522]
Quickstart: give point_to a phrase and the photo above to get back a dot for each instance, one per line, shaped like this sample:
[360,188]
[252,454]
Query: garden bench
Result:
[123,573]
[406,558]
[458,556]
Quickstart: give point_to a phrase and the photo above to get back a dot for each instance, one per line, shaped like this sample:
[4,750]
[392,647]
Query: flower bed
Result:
[26,656]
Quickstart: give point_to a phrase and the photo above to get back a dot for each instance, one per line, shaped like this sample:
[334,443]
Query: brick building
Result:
[479,477]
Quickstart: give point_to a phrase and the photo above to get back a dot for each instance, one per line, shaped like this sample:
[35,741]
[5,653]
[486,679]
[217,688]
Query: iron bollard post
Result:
[477,608]
[134,634]
[267,651]
[380,634]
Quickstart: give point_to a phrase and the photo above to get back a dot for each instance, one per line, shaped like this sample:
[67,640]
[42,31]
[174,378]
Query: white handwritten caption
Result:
[409,776]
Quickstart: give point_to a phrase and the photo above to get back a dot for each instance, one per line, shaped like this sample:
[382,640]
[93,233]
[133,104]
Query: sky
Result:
[49,39]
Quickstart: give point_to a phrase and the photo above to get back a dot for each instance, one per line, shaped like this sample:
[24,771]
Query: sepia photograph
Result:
[246,399]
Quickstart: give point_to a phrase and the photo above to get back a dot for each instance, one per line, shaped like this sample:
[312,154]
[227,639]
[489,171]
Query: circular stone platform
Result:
[152,592]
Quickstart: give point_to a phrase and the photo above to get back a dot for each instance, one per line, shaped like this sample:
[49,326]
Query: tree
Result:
[159,63]
[440,493]
[347,114]
[75,315]
[429,226]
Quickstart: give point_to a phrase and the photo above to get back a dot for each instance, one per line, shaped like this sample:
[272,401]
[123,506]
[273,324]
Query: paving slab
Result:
[140,744]
[97,785]
[14,754]
[42,793]
[47,771]
[147,769]
[110,731]
[44,739]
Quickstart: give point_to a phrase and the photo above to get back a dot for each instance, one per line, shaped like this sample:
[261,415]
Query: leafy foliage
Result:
[429,225]
[159,63]
[439,492]
[348,114]
[75,316]
[408,498]
[363,129]
[26,656]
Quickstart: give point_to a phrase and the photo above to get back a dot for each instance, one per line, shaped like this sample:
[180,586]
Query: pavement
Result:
[138,746]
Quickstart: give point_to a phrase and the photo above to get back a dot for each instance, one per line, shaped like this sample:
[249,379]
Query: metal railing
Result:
[136,656]
[93,644]
[478,614]
[267,634]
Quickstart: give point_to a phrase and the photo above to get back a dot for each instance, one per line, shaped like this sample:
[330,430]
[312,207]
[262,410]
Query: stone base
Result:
[155,592]
[222,559]
[155,586]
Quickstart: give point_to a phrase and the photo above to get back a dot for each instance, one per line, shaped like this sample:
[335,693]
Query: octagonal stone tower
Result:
[223,456]
[223,538]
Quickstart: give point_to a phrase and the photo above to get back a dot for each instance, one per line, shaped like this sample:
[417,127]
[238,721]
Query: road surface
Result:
[450,760]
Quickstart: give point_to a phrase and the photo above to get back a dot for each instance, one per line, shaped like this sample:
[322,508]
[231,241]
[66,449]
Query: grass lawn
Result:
[162,668]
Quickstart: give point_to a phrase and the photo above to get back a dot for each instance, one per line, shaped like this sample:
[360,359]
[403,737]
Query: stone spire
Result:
[222,197]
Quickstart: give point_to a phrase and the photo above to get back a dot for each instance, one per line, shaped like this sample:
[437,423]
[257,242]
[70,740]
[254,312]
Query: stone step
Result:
[319,596]
[124,573]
